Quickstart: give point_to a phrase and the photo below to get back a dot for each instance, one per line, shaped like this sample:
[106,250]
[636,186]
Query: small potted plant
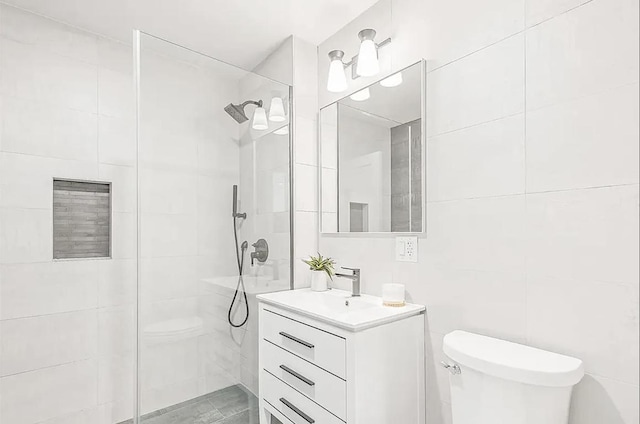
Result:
[321,271]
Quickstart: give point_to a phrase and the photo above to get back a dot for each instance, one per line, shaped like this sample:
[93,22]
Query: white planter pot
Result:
[319,281]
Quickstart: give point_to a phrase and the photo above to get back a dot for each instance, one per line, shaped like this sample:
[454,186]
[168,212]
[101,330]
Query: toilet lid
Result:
[512,361]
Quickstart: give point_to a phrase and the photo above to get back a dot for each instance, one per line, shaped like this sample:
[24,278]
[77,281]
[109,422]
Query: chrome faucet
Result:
[355,279]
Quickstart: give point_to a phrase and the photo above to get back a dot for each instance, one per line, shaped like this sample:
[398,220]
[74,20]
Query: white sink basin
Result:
[339,308]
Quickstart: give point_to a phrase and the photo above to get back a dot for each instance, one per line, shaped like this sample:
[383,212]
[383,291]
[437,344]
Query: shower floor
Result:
[231,405]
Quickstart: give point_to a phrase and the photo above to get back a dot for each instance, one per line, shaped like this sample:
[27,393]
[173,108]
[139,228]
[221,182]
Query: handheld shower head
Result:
[235,212]
[237,111]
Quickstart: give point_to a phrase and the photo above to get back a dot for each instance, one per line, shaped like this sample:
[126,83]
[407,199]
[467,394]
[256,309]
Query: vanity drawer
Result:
[326,350]
[318,385]
[295,406]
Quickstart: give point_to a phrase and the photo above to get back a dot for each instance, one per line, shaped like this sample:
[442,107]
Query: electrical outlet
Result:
[407,249]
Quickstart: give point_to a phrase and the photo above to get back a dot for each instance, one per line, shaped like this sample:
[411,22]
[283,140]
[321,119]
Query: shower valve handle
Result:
[261,251]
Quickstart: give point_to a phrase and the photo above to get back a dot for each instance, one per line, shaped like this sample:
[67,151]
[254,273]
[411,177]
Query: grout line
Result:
[430,137]
[559,14]
[526,28]
[497,196]
[87,359]
[515,34]
[585,96]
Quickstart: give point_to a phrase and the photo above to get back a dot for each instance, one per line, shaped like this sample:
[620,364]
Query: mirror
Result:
[372,157]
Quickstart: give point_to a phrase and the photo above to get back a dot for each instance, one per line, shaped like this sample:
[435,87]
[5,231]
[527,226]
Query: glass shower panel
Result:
[214,204]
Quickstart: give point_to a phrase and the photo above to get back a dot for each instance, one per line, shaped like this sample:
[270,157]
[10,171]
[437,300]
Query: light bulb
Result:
[282,131]
[392,81]
[276,111]
[260,119]
[367,65]
[361,95]
[337,80]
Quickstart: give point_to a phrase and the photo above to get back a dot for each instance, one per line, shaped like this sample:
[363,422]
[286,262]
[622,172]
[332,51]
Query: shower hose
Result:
[240,285]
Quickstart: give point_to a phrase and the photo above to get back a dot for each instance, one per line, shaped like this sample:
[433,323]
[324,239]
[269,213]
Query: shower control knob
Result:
[453,369]
[261,251]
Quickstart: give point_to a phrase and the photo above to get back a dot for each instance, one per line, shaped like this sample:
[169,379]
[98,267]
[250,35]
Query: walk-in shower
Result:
[199,271]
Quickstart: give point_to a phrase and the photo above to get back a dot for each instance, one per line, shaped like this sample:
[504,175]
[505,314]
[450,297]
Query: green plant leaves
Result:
[320,263]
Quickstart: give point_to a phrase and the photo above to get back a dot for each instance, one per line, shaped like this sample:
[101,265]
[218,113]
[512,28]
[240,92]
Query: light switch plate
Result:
[407,249]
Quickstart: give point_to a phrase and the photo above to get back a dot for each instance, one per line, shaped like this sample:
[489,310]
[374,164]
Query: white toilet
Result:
[498,382]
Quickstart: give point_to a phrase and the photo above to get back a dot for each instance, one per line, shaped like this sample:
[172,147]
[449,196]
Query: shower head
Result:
[237,111]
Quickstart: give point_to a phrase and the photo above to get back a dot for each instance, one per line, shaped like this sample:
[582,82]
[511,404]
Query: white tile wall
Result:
[588,50]
[45,341]
[39,395]
[62,323]
[453,168]
[30,290]
[587,142]
[454,34]
[478,88]
[532,189]
[305,176]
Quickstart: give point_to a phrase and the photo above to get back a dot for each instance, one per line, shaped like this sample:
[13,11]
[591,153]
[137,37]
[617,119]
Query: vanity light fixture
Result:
[276,110]
[360,96]
[392,81]
[367,65]
[337,81]
[364,64]
[260,119]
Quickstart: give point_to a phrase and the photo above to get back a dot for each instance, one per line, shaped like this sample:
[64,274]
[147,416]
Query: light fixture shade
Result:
[361,95]
[282,131]
[260,119]
[337,80]
[276,110]
[392,81]
[367,65]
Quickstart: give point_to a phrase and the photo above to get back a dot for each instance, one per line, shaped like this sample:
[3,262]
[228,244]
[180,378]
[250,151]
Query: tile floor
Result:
[232,405]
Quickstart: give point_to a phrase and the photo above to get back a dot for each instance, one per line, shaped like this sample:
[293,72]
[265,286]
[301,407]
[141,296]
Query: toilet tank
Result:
[500,382]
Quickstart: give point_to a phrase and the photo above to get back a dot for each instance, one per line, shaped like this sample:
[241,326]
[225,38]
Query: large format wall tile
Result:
[27,181]
[306,188]
[41,76]
[116,140]
[123,186]
[115,94]
[47,288]
[541,10]
[591,49]
[479,88]
[584,235]
[569,315]
[454,35]
[32,30]
[43,129]
[476,301]
[48,340]
[587,142]
[599,400]
[484,160]
[26,235]
[117,282]
[485,234]
[36,396]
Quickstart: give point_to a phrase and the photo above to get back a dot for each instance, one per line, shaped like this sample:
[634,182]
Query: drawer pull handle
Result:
[297,340]
[297,411]
[297,375]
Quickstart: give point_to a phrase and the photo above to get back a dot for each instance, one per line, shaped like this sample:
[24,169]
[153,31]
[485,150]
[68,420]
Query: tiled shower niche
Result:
[81,219]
